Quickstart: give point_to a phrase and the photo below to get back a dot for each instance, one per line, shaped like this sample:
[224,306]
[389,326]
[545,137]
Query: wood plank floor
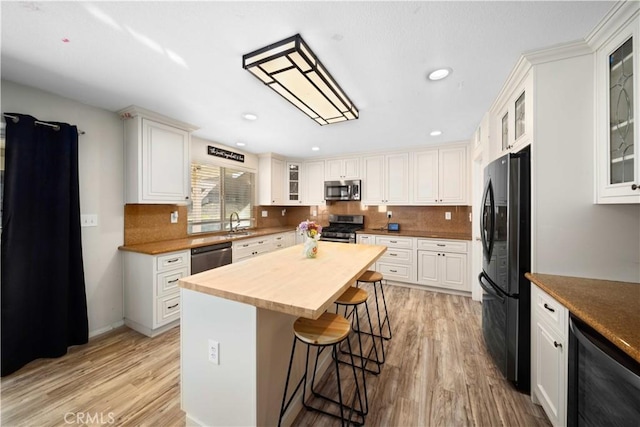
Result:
[437,373]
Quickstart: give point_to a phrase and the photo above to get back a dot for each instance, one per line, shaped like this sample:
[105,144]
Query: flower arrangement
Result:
[310,229]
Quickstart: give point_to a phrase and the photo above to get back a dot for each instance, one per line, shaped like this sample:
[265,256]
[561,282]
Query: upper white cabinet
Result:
[271,180]
[513,118]
[313,180]
[157,157]
[340,169]
[385,179]
[440,176]
[293,183]
[618,170]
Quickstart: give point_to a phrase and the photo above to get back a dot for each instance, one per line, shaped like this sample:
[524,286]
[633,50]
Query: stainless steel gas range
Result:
[342,228]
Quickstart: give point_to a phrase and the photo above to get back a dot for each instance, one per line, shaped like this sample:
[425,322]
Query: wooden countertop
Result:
[418,233]
[286,281]
[611,308]
[165,246]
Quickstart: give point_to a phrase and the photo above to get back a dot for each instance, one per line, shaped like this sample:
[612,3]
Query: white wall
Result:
[571,235]
[101,192]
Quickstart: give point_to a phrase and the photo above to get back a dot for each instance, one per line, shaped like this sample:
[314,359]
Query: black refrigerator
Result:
[505,223]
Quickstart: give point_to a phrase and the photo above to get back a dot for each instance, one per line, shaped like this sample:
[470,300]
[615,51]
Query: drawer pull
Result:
[392,254]
[246,245]
[170,261]
[172,306]
[556,344]
[172,281]
[549,308]
[393,271]
[393,241]
[441,244]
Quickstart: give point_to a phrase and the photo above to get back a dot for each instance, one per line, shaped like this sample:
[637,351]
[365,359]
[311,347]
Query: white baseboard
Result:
[105,329]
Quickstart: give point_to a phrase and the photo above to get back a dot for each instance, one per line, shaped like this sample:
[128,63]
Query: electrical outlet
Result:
[447,216]
[214,352]
[265,214]
[88,220]
[174,217]
[389,214]
[470,218]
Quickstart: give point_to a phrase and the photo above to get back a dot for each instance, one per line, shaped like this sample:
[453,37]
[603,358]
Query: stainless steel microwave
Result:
[342,190]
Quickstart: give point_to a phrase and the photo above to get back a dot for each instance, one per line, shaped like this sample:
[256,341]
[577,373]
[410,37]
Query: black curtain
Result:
[44,306]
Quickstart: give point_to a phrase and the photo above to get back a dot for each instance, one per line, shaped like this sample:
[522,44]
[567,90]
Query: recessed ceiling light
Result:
[315,148]
[439,74]
[250,116]
[240,144]
[436,133]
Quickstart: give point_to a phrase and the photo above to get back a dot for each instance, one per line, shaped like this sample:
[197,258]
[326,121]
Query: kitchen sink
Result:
[240,233]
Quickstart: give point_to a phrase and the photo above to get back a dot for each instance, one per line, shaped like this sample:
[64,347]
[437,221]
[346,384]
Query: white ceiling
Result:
[184,60]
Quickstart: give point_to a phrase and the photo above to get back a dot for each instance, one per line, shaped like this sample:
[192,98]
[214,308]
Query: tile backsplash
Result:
[416,218]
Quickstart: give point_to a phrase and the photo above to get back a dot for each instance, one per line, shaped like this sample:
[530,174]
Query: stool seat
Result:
[328,329]
[353,296]
[370,276]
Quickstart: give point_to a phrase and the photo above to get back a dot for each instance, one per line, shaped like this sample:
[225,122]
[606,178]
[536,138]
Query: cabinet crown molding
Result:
[134,111]
[618,16]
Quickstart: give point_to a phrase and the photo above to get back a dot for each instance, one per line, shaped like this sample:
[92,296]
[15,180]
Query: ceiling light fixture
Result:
[250,116]
[436,133]
[315,148]
[240,144]
[439,74]
[290,68]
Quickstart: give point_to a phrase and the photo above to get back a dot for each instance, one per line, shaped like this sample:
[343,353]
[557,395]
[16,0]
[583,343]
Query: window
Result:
[217,192]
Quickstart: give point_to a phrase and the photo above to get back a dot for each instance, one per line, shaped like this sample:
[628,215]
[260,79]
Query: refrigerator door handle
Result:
[487,221]
[490,287]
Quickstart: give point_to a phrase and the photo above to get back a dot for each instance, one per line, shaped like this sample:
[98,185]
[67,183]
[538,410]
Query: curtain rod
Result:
[38,122]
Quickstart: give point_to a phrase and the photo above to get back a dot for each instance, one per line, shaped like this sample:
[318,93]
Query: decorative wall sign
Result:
[225,154]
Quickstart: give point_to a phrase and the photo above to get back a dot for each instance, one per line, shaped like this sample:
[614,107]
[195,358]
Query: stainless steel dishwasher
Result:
[207,257]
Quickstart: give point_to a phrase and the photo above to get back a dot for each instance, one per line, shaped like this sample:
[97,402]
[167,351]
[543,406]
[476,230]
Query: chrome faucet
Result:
[231,229]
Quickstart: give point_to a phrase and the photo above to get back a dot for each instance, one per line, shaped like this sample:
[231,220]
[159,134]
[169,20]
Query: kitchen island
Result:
[248,308]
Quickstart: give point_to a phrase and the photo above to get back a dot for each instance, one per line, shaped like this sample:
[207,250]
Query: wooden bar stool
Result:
[329,330]
[352,298]
[375,279]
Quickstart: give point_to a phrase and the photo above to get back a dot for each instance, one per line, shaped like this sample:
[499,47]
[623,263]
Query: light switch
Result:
[447,215]
[174,217]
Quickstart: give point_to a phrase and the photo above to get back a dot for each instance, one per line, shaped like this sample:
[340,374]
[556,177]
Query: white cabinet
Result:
[386,179]
[398,262]
[271,180]
[293,184]
[151,292]
[618,165]
[340,169]
[443,263]
[366,239]
[549,355]
[157,157]
[248,248]
[283,240]
[313,180]
[440,176]
[513,116]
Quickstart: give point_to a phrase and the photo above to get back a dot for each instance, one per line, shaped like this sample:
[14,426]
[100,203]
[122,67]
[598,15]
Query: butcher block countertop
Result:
[165,246]
[286,281]
[419,233]
[611,308]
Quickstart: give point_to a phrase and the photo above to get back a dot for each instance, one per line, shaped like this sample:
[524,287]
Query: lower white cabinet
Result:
[549,355]
[248,248]
[151,291]
[432,262]
[443,263]
[284,240]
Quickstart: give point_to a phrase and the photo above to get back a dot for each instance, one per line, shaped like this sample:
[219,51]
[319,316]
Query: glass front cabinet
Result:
[514,120]
[618,173]
[293,183]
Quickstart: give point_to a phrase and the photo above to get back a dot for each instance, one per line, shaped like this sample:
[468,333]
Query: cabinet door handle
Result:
[549,308]
[635,186]
[171,261]
[173,306]
[556,344]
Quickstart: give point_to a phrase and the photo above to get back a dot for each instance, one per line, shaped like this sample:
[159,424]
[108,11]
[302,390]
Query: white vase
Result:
[310,247]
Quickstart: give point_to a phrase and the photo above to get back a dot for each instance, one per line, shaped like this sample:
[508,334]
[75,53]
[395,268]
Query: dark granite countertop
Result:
[611,308]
